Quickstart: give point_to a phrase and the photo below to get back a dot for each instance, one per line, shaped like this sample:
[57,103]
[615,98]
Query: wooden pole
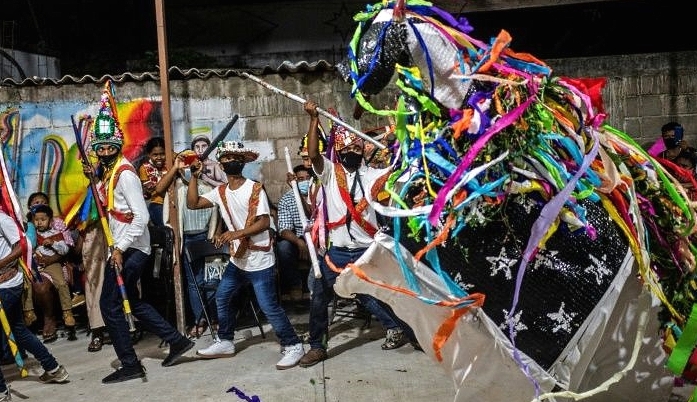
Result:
[169,149]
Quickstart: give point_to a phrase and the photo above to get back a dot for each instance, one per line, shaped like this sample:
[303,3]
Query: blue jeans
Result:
[195,281]
[113,314]
[264,285]
[156,217]
[12,303]
[288,265]
[323,293]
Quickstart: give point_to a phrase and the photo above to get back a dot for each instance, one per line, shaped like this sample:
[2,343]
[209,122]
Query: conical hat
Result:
[105,129]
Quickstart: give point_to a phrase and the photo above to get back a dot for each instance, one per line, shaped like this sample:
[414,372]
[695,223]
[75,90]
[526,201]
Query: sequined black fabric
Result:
[392,49]
[562,284]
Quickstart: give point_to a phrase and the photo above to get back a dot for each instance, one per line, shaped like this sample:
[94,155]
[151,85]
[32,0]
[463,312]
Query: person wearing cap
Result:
[120,192]
[212,173]
[244,207]
[349,187]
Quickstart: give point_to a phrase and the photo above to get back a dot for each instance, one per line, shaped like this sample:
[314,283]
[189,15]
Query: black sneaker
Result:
[125,374]
[176,350]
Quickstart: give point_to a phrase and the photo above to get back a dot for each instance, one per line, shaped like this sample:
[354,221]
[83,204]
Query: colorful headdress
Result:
[105,129]
[302,150]
[340,135]
[236,148]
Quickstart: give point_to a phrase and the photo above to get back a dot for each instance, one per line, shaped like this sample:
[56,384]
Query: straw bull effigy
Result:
[537,252]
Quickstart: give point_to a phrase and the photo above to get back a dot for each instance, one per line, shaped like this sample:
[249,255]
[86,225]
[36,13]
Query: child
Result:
[150,172]
[50,242]
[11,294]
[38,198]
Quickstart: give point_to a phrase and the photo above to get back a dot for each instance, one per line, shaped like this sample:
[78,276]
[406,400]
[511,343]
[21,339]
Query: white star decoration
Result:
[526,203]
[501,263]
[515,320]
[562,319]
[545,259]
[599,268]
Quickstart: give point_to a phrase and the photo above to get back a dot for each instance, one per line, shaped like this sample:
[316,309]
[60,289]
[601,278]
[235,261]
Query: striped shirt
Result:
[196,220]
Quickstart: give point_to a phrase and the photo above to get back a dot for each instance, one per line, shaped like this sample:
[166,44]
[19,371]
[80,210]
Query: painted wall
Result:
[643,92]
[39,142]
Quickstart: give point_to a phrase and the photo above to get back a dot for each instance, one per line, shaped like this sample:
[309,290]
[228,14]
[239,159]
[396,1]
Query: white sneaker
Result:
[222,348]
[291,356]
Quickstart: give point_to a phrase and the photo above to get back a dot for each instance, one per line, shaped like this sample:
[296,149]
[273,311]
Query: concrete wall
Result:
[643,92]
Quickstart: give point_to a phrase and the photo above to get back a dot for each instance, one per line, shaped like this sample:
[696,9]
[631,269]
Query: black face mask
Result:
[671,143]
[351,160]
[108,160]
[233,168]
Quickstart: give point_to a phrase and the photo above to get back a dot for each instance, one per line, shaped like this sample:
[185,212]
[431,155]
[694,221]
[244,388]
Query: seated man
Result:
[291,244]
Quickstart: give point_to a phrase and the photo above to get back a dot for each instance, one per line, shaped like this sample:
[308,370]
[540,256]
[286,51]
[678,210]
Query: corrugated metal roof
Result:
[175,73]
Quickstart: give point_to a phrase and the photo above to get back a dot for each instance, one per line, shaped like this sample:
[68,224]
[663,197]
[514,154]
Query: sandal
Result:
[394,340]
[95,345]
[51,337]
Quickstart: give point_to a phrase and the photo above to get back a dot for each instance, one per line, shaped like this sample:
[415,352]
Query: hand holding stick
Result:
[319,110]
[306,222]
[87,168]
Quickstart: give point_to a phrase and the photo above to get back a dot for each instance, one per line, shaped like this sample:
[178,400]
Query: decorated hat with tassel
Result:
[341,136]
[106,129]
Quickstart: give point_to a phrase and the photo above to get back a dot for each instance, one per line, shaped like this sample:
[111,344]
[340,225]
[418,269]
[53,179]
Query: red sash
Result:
[355,211]
[251,216]
[124,217]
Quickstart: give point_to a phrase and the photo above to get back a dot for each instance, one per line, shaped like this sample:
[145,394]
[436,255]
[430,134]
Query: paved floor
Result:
[358,370]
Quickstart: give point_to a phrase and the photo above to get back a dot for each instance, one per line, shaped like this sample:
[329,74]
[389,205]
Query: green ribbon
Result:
[683,349]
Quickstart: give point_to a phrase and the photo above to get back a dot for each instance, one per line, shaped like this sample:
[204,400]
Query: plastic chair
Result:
[202,249]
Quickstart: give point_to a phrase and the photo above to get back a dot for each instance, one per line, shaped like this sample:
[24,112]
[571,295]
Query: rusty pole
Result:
[169,148]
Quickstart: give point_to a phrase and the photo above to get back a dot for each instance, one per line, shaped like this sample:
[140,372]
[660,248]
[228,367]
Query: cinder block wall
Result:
[643,92]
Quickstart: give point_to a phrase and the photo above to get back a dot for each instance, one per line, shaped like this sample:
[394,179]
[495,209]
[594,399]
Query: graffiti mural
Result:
[38,143]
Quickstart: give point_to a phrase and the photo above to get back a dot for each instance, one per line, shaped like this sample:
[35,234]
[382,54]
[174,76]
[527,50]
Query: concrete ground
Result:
[357,370]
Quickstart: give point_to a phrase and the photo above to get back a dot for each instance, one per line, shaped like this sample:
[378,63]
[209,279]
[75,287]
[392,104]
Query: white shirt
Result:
[9,235]
[128,197]
[336,208]
[238,206]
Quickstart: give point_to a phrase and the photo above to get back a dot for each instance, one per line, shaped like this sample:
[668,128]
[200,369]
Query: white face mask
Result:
[304,187]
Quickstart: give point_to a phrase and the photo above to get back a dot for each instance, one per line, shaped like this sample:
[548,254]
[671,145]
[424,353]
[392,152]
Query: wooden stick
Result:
[319,110]
[306,222]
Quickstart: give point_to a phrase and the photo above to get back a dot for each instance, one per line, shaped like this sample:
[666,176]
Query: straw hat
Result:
[236,148]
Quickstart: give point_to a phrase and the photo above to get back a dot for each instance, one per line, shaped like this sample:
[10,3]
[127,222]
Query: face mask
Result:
[304,186]
[233,168]
[351,160]
[677,138]
[108,160]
